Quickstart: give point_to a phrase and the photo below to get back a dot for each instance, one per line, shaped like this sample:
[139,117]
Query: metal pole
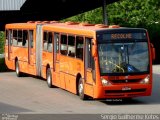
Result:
[105,18]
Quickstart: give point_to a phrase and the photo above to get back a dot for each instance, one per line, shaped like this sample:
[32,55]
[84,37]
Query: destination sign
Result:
[122,36]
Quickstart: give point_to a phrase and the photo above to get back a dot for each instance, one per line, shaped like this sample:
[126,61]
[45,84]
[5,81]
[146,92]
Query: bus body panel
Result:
[9,63]
[69,68]
[25,55]
[47,59]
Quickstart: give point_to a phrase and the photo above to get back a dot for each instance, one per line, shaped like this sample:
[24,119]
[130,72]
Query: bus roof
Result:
[20,26]
[71,25]
[81,26]
[67,26]
[88,29]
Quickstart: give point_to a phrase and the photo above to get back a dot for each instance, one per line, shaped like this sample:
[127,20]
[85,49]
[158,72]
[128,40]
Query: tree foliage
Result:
[1,42]
[93,16]
[135,13]
[130,13]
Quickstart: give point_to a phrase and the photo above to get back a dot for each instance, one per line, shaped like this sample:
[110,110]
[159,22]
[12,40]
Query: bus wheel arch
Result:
[80,87]
[17,68]
[78,77]
[49,76]
[47,67]
[16,59]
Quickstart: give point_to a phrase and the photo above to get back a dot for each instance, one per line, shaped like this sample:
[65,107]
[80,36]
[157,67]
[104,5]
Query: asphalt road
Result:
[31,95]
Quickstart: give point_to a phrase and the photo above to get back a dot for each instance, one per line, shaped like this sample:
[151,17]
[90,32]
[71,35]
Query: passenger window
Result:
[79,47]
[64,44]
[31,38]
[15,37]
[50,47]
[45,41]
[89,55]
[56,37]
[10,36]
[19,37]
[71,46]
[7,37]
[25,38]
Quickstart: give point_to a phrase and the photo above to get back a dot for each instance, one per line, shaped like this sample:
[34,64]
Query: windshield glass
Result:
[126,57]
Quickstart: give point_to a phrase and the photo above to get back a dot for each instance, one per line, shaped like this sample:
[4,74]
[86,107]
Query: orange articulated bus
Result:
[88,60]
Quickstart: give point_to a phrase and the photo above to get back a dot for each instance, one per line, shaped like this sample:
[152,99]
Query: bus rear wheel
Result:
[81,90]
[18,73]
[49,78]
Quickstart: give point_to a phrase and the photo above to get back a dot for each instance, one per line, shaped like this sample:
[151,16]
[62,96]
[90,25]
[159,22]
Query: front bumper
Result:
[124,91]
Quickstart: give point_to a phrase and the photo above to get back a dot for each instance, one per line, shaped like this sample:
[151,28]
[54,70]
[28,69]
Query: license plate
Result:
[126,88]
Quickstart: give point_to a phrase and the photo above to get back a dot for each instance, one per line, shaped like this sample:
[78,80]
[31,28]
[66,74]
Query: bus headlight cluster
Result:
[105,82]
[146,80]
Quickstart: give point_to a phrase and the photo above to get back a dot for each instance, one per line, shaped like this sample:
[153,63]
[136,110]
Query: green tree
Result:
[1,42]
[137,13]
[93,16]
[3,66]
[130,13]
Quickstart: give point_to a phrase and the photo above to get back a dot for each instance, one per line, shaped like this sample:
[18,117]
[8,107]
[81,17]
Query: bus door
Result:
[56,58]
[88,68]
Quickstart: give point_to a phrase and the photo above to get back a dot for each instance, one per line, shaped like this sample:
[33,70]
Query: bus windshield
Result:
[126,57]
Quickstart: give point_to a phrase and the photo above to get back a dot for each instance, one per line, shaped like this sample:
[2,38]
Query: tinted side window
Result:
[64,44]
[45,35]
[89,48]
[71,46]
[15,37]
[31,38]
[7,37]
[79,47]
[25,38]
[56,37]
[20,37]
[50,46]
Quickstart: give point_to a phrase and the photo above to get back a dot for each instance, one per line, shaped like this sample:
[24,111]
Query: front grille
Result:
[124,91]
[126,81]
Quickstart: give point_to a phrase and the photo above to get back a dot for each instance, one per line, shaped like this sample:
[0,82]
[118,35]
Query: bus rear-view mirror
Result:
[94,48]
[153,52]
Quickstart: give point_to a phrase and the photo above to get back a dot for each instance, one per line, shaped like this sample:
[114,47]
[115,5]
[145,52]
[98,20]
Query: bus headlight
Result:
[105,82]
[146,80]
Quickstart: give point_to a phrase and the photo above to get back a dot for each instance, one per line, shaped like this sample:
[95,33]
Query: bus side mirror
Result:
[153,52]
[94,48]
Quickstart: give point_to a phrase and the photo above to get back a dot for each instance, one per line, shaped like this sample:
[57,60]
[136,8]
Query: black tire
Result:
[17,69]
[81,90]
[49,78]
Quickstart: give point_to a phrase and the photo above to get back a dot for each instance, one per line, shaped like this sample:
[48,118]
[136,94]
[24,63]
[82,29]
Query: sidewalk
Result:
[156,68]
[1,55]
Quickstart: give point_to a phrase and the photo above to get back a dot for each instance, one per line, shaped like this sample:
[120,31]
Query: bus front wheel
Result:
[49,78]
[81,90]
